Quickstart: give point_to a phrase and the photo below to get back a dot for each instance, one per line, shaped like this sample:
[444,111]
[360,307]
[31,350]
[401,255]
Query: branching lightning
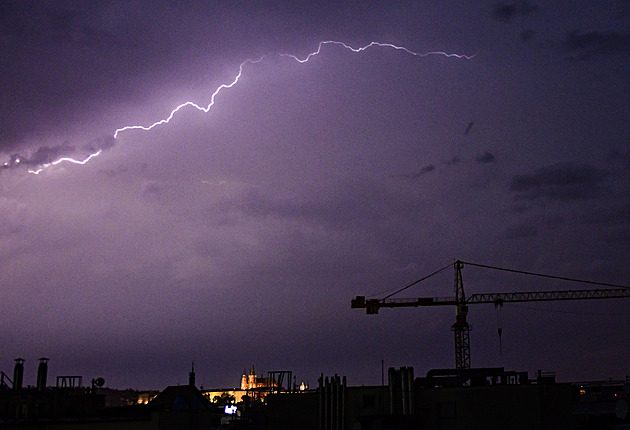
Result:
[207,108]
[384,45]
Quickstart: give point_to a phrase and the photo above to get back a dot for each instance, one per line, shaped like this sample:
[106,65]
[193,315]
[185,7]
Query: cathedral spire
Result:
[191,375]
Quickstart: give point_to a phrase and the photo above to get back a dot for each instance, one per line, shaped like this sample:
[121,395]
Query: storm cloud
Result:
[561,181]
[485,158]
[506,12]
[585,45]
[240,235]
[426,169]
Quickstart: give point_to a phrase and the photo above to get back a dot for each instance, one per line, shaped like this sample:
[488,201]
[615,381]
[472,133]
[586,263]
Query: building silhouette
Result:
[477,398]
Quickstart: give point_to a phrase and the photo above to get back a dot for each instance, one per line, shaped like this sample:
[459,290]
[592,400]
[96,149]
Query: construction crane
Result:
[461,328]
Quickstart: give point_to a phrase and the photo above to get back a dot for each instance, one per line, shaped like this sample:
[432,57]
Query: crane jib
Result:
[495,298]
[546,296]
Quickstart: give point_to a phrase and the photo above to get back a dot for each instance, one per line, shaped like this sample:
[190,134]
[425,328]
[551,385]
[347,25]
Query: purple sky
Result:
[239,236]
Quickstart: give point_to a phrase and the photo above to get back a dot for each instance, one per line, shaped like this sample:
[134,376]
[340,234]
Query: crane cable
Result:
[523,272]
[562,278]
[416,282]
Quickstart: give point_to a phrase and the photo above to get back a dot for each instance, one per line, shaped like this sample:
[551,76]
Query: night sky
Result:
[240,235]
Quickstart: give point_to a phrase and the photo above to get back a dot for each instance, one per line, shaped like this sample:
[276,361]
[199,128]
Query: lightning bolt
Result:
[68,159]
[195,105]
[384,45]
[207,108]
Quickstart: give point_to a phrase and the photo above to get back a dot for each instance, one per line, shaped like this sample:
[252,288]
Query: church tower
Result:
[244,385]
[251,382]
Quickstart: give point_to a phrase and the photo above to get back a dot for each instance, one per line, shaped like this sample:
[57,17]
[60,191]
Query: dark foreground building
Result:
[485,398]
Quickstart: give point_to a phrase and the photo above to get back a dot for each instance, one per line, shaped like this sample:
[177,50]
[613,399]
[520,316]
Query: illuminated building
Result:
[254,382]
[252,385]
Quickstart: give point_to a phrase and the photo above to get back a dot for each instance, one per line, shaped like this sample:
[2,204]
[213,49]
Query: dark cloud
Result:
[58,62]
[349,206]
[527,35]
[505,12]
[151,188]
[257,204]
[619,156]
[562,181]
[583,46]
[100,143]
[618,215]
[48,154]
[42,155]
[520,231]
[555,221]
[520,208]
[35,22]
[485,158]
[426,169]
[621,237]
[290,193]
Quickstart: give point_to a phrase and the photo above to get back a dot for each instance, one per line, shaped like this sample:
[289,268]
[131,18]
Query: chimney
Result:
[42,372]
[18,374]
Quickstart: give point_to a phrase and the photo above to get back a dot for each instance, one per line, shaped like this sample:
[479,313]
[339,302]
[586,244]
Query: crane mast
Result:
[461,328]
